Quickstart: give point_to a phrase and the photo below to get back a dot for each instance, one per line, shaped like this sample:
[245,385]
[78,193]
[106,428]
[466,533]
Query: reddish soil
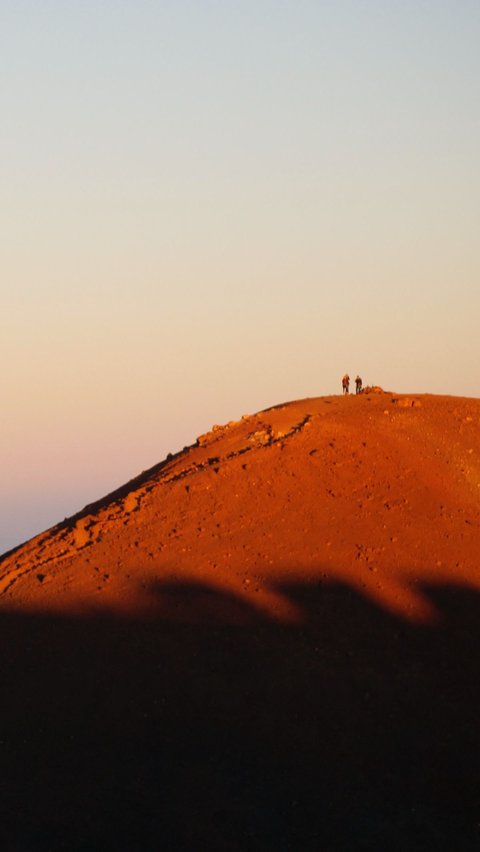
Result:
[266,642]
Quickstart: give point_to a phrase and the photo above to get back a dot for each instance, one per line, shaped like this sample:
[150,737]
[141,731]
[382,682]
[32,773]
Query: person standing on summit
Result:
[358,385]
[346,383]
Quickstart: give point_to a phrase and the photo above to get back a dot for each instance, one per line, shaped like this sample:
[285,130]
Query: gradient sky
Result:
[209,207]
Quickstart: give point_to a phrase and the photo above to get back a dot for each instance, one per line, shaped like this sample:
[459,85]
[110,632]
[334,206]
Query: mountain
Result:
[266,641]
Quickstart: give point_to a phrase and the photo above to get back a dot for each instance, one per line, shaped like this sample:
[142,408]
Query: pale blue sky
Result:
[209,208]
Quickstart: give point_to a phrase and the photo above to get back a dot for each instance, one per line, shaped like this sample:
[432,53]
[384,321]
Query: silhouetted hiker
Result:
[358,385]
[346,383]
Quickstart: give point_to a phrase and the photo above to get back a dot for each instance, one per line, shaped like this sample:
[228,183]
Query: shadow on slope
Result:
[354,731]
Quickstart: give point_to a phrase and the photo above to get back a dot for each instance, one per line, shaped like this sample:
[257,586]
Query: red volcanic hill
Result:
[380,492]
[266,641]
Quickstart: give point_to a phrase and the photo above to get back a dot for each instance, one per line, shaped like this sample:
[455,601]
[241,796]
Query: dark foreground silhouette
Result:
[223,730]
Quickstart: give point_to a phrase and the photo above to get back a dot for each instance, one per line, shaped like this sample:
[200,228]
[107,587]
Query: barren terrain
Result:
[266,642]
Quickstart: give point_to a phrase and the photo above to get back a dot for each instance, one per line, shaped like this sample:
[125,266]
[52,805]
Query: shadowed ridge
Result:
[353,731]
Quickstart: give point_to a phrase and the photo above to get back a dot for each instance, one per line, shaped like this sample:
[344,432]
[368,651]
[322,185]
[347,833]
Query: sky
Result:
[209,207]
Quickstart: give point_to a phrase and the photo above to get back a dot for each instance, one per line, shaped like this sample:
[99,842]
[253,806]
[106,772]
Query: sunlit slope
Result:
[379,491]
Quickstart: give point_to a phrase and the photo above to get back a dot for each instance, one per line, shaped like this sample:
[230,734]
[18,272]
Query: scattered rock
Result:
[407,402]
[262,436]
